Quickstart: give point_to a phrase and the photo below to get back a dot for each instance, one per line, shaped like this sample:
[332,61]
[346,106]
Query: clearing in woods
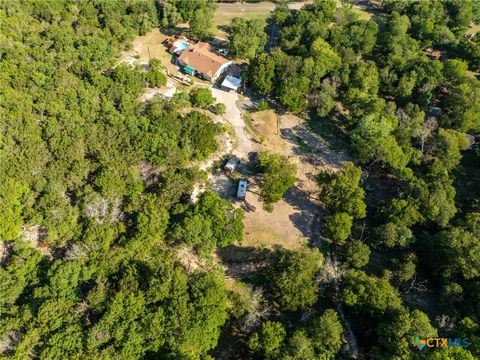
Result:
[226,12]
[150,46]
[259,10]
[294,218]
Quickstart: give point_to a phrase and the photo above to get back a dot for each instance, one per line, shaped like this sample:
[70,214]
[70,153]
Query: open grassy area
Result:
[150,46]
[226,12]
[364,14]
[474,28]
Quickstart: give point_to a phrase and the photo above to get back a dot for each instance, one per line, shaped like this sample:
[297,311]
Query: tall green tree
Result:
[246,38]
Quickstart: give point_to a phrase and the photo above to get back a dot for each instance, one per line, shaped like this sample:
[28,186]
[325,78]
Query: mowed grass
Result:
[226,12]
[474,28]
[364,14]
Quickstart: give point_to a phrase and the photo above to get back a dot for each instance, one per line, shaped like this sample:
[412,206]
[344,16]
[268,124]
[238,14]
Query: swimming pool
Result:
[181,45]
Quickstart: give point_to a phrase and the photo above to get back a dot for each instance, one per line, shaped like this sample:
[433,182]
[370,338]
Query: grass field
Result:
[475,28]
[364,14]
[226,12]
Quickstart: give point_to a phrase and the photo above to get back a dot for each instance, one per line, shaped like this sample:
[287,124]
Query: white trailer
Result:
[242,189]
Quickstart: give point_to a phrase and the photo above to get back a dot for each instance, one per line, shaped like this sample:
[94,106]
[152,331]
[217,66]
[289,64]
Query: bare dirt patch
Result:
[265,126]
[270,229]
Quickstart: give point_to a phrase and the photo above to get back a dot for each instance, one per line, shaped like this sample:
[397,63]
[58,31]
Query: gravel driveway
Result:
[233,115]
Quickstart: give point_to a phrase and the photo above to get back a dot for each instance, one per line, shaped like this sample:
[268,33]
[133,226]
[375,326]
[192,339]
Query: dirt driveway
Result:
[294,219]
[233,115]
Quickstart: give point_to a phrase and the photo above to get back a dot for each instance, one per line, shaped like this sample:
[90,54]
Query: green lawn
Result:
[474,28]
[364,14]
[226,12]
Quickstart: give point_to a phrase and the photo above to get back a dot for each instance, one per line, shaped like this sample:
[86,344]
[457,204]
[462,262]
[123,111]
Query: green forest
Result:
[95,186]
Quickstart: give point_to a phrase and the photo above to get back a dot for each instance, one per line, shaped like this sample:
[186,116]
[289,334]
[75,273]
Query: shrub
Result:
[202,97]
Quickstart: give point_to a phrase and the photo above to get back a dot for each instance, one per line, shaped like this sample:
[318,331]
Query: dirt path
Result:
[297,216]
[244,144]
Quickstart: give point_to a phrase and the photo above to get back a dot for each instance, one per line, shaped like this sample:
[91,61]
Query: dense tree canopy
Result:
[293,278]
[85,266]
[246,38]
[106,250]
[198,14]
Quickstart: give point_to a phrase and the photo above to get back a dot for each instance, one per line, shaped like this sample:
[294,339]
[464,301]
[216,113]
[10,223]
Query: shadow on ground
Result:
[241,262]
[306,216]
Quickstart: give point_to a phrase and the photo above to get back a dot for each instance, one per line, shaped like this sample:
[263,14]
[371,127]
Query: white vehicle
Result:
[242,189]
[232,164]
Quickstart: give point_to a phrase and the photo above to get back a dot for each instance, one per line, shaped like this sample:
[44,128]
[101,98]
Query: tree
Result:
[391,235]
[170,16]
[396,333]
[198,135]
[373,141]
[261,72]
[356,254]
[460,12]
[452,293]
[326,98]
[300,347]
[467,327]
[326,333]
[293,278]
[403,213]
[405,267]
[451,353]
[202,97]
[448,148]
[323,60]
[131,79]
[342,192]
[220,108]
[278,175]
[338,227]
[323,9]
[155,76]
[292,91]
[201,22]
[439,200]
[357,35]
[153,219]
[369,295]
[226,220]
[12,198]
[247,38]
[320,338]
[198,14]
[266,342]
[463,105]
[207,312]
[461,248]
[362,90]
[195,229]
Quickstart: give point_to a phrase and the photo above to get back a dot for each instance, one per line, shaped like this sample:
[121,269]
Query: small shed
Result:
[231,82]
[231,164]
[242,189]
